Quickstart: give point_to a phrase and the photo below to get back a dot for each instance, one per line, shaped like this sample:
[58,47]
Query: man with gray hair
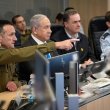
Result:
[40,28]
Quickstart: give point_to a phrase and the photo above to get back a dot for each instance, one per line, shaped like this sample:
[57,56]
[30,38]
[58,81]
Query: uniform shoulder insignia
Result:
[105,35]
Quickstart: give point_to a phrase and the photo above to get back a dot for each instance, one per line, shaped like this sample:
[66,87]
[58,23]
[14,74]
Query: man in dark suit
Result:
[40,27]
[71,21]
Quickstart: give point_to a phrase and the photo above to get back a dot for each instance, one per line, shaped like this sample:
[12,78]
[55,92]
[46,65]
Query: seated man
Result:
[71,8]
[105,38]
[71,21]
[22,33]
[8,56]
[40,27]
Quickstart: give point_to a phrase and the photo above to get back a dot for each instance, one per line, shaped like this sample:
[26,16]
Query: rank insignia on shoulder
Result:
[105,35]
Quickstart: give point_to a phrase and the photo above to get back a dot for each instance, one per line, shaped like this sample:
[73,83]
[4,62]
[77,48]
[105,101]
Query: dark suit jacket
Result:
[27,68]
[82,46]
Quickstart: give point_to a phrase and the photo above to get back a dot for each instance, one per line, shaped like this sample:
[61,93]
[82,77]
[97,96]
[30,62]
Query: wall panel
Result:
[89,9]
[28,8]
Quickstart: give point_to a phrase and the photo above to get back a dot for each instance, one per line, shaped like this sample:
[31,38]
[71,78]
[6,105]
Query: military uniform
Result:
[21,38]
[8,57]
[105,43]
[25,36]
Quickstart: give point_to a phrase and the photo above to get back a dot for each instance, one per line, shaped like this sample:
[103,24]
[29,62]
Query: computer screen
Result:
[60,63]
[42,83]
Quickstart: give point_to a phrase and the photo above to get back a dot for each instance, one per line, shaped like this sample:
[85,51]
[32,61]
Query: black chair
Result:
[96,28]
[56,28]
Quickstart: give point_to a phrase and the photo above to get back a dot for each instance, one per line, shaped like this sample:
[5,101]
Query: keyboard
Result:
[96,84]
[102,82]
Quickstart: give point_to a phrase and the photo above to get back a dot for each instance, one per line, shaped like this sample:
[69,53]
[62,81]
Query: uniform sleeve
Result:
[105,46]
[24,54]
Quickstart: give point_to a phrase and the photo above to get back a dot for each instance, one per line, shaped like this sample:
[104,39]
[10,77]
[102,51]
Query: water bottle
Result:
[31,96]
[48,56]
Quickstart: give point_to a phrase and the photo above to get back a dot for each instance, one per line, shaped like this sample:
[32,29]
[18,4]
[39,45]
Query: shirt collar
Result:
[37,40]
[71,36]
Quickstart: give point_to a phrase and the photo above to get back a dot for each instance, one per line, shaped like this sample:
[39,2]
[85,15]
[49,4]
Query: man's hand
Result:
[66,44]
[11,86]
[88,62]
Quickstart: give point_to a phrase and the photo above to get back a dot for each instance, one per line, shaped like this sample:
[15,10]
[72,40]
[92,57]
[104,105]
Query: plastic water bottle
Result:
[48,56]
[31,96]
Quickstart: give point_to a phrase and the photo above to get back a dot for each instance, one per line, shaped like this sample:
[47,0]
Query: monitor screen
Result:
[42,83]
[61,63]
[41,64]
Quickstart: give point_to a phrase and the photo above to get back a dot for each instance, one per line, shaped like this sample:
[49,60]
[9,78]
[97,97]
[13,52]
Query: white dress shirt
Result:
[37,40]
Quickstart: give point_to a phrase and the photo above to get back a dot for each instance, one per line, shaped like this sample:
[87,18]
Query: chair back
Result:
[96,28]
[56,28]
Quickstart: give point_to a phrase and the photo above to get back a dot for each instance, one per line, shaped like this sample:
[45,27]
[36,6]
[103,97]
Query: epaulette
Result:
[105,35]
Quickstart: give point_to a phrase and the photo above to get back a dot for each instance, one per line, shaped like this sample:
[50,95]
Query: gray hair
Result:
[35,20]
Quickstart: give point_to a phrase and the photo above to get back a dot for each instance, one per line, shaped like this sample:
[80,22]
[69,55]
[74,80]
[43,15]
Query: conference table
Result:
[97,102]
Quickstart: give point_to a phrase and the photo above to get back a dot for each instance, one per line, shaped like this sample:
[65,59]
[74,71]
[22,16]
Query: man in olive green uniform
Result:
[22,33]
[8,77]
[8,57]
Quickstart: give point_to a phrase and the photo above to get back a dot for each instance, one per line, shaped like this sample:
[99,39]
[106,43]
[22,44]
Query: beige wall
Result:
[108,4]
[89,9]
[28,8]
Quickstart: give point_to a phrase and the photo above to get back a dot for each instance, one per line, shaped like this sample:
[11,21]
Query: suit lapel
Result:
[32,41]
